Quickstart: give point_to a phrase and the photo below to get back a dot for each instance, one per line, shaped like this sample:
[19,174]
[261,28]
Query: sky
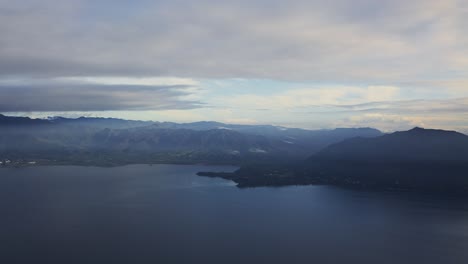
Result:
[388,64]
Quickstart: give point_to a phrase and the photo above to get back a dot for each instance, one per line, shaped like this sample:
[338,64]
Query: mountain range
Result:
[417,144]
[417,159]
[420,159]
[111,141]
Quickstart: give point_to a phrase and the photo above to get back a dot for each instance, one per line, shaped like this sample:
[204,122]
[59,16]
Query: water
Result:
[167,214]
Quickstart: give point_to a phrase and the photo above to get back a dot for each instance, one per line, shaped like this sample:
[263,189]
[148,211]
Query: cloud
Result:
[93,97]
[391,122]
[430,107]
[400,115]
[383,107]
[338,41]
[386,122]
[378,61]
[311,97]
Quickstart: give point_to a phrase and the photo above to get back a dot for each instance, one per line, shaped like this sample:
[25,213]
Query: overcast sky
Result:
[389,64]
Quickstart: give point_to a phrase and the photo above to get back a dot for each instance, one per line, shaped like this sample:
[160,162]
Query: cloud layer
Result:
[93,97]
[388,63]
[387,41]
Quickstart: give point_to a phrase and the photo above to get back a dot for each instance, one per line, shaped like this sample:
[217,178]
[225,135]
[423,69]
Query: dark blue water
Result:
[167,214]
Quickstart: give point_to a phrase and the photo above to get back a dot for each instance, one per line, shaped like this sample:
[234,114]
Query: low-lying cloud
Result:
[93,97]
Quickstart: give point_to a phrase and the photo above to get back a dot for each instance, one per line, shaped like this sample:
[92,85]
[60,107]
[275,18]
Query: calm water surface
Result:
[167,214]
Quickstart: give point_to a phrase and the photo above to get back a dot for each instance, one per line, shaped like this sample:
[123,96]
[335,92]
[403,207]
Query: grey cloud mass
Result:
[337,40]
[405,60]
[92,97]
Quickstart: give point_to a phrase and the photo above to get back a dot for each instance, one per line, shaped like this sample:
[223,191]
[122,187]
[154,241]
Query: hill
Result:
[417,144]
[110,141]
[424,160]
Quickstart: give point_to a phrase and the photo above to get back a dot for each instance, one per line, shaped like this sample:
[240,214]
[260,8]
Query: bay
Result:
[167,214]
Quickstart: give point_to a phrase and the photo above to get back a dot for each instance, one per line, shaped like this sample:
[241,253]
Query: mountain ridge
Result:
[85,138]
[414,144]
[424,160]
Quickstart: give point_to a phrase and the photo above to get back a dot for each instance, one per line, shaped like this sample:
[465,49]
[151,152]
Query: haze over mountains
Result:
[109,141]
[419,159]
[417,144]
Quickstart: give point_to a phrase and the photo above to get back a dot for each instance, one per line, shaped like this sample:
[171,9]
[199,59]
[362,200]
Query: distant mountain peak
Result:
[420,130]
[415,144]
[426,131]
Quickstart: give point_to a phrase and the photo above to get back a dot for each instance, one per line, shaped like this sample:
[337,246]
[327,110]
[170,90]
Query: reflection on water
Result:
[166,214]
